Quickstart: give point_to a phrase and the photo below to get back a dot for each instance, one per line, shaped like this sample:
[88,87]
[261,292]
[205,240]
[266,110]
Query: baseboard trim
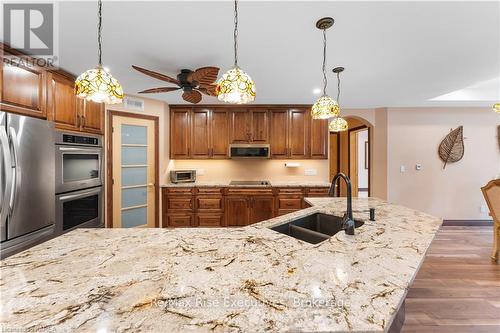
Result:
[468,223]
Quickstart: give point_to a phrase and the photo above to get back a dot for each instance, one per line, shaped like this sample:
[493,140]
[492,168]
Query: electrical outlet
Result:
[200,172]
[310,172]
[402,169]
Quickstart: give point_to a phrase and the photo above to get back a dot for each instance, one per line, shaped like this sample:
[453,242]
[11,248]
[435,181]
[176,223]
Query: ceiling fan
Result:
[193,83]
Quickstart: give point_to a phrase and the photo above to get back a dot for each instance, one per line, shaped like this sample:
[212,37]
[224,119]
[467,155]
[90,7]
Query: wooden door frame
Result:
[357,129]
[109,163]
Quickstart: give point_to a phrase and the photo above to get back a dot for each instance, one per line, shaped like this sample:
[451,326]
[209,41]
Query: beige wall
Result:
[379,155]
[453,193]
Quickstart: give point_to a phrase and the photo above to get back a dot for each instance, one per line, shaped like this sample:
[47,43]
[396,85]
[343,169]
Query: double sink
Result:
[314,228]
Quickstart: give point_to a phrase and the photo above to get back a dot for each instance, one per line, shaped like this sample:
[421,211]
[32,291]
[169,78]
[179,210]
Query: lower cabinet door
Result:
[180,220]
[262,208]
[209,220]
[237,211]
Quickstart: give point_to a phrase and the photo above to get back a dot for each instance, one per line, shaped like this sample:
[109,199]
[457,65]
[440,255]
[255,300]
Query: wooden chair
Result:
[491,194]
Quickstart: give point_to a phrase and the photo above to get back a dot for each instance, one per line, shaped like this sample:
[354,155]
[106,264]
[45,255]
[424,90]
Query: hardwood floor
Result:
[458,287]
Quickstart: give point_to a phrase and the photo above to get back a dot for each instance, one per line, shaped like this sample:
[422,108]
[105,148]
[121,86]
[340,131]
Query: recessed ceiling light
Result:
[317,91]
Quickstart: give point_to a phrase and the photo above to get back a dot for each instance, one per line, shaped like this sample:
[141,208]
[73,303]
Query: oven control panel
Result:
[80,140]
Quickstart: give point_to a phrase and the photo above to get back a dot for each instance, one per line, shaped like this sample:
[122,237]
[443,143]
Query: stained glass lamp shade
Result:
[99,86]
[324,108]
[338,124]
[496,107]
[235,87]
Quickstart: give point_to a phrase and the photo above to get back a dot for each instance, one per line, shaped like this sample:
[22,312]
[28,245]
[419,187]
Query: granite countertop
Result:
[304,183]
[220,279]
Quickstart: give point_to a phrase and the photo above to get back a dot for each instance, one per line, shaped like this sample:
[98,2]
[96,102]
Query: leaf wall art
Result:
[451,149]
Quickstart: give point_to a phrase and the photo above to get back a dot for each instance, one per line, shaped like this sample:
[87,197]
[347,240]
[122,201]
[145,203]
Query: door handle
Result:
[83,120]
[16,168]
[6,192]
[151,184]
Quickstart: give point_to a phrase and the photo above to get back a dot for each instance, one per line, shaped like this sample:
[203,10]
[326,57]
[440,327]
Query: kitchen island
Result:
[221,279]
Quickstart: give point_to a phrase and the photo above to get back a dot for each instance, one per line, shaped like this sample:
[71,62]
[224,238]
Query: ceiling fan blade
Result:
[204,75]
[192,96]
[208,89]
[156,75]
[159,90]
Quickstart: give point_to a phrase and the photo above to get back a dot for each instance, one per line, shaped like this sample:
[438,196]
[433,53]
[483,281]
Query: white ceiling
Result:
[395,53]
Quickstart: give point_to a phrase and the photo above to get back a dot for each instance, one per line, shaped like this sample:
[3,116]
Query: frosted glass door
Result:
[133,172]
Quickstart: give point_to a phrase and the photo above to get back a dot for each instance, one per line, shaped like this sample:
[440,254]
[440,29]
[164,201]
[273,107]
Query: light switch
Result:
[310,172]
[200,172]
[402,169]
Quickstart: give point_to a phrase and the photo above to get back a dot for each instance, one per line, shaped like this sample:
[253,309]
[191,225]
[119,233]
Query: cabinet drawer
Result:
[290,191]
[209,220]
[180,190]
[249,191]
[180,203]
[181,220]
[290,203]
[318,192]
[209,191]
[209,203]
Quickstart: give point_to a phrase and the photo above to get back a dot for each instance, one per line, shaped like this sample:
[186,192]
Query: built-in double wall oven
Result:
[79,181]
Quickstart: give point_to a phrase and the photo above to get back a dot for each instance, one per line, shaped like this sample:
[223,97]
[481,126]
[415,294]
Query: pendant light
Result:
[325,107]
[97,84]
[338,124]
[235,86]
[496,107]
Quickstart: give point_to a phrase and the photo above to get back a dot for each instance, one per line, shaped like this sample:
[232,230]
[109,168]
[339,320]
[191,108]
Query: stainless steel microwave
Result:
[183,176]
[249,151]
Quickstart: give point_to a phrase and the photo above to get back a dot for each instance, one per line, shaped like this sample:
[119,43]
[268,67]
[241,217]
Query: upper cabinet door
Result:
[298,141]
[279,133]
[200,134]
[62,102]
[92,117]
[319,138]
[22,89]
[220,133]
[240,126]
[179,133]
[259,126]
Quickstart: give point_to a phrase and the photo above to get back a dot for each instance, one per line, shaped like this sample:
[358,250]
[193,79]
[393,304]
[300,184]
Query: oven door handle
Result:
[80,194]
[83,150]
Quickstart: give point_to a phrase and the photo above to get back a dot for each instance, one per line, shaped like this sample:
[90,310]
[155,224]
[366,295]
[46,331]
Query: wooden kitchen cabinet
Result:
[237,211]
[261,208]
[249,126]
[319,138]
[298,134]
[259,125]
[279,133]
[200,134]
[22,87]
[239,126]
[219,133]
[70,112]
[180,133]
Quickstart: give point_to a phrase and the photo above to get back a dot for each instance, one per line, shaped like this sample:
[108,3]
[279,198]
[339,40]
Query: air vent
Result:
[134,104]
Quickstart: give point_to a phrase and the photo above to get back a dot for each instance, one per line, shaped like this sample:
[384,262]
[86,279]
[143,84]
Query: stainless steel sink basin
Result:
[313,228]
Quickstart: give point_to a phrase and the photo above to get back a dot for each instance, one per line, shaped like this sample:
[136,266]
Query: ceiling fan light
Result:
[324,108]
[338,124]
[496,107]
[99,86]
[235,87]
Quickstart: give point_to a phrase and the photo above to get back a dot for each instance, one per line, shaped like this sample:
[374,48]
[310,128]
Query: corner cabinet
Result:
[205,132]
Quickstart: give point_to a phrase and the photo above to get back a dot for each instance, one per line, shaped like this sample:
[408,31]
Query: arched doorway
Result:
[351,153]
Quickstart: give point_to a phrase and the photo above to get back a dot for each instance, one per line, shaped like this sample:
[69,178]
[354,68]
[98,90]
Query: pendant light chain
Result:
[325,80]
[99,34]
[235,34]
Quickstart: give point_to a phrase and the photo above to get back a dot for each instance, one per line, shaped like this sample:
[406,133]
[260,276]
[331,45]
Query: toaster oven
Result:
[183,176]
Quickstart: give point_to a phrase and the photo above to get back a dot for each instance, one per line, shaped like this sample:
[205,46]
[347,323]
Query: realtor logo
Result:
[29,27]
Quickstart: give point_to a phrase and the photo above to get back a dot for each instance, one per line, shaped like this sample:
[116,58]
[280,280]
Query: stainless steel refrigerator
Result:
[27,184]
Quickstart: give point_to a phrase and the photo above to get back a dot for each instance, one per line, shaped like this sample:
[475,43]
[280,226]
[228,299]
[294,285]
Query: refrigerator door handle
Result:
[6,192]
[16,169]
